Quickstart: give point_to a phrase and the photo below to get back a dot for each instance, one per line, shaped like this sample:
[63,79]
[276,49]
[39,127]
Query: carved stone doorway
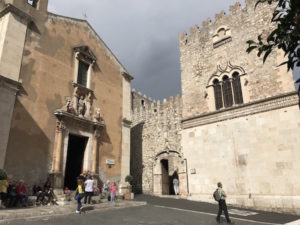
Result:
[75,155]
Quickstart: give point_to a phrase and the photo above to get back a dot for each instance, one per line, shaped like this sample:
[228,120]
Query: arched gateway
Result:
[169,164]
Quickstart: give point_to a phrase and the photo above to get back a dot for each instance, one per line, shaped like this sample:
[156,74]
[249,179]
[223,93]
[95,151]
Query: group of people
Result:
[13,193]
[44,195]
[85,189]
[109,190]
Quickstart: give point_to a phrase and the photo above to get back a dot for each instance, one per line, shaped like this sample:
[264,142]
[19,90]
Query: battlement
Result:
[235,10]
[144,108]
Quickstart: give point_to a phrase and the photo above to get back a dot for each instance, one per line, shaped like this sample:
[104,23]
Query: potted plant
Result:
[3,175]
[130,194]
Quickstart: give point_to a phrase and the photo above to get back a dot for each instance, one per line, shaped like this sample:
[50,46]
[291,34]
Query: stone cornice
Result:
[10,84]
[126,122]
[9,8]
[268,104]
[127,76]
[65,116]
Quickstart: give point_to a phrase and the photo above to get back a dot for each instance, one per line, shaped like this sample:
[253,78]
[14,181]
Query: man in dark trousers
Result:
[222,204]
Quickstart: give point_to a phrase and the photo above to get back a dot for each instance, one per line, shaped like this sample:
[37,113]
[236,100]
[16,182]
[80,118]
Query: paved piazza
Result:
[145,215]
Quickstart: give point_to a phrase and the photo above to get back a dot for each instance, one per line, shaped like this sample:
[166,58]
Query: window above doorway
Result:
[84,62]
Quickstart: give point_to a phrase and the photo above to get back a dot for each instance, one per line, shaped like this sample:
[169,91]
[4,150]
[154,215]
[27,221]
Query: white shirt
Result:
[89,185]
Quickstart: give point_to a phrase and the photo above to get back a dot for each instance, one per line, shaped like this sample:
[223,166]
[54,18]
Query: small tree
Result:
[3,175]
[285,36]
[129,179]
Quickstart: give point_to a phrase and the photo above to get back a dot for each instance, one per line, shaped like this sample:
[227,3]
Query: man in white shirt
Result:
[89,184]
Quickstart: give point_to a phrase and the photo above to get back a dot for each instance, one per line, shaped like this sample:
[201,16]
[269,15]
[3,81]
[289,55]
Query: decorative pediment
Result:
[86,54]
[229,69]
[80,107]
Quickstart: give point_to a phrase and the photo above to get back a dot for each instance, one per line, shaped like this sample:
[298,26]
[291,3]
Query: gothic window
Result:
[221,33]
[227,92]
[237,89]
[82,73]
[218,94]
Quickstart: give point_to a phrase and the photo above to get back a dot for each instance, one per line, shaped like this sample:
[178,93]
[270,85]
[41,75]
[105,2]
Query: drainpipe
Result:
[187,177]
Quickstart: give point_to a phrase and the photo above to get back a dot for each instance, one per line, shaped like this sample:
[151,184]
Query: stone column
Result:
[94,153]
[58,148]
[56,174]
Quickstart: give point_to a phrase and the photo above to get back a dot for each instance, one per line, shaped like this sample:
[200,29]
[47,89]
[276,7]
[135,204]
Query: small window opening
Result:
[33,3]
[155,110]
[143,102]
[82,73]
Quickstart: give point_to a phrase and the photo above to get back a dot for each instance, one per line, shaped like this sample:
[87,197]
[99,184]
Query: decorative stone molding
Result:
[9,84]
[9,8]
[228,70]
[85,54]
[221,36]
[268,104]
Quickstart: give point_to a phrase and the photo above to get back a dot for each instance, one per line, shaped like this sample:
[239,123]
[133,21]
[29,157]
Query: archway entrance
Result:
[165,176]
[76,147]
[167,166]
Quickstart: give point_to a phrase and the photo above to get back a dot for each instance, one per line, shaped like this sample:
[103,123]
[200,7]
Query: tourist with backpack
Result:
[220,196]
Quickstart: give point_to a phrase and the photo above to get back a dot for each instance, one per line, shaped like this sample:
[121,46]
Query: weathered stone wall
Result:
[156,126]
[252,148]
[201,53]
[47,73]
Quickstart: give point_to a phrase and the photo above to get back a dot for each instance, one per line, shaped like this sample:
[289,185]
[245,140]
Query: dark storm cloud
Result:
[143,34]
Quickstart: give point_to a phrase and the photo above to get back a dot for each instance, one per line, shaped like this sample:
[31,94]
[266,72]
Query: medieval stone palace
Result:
[238,120]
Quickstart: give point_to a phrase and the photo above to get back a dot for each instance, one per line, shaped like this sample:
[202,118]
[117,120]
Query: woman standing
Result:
[113,190]
[79,194]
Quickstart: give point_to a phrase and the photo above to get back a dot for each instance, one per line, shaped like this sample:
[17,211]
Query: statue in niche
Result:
[67,106]
[81,106]
[97,115]
[88,104]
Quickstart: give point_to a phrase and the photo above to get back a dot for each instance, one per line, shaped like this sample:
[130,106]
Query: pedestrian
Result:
[176,185]
[88,191]
[113,190]
[222,204]
[79,194]
[22,193]
[3,192]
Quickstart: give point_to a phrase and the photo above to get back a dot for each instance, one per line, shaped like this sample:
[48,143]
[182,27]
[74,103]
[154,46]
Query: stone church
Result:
[237,121]
[64,98]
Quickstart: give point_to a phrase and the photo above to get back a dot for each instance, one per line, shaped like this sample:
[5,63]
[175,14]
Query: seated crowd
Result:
[16,194]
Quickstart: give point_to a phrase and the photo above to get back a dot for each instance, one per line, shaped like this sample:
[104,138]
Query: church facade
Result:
[239,120]
[64,99]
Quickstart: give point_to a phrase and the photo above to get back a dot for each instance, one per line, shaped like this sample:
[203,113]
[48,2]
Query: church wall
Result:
[47,73]
[256,157]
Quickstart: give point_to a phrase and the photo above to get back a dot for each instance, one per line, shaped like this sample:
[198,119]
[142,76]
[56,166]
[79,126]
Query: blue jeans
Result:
[112,197]
[78,198]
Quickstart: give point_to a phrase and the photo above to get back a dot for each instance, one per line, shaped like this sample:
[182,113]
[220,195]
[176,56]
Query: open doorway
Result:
[165,176]
[75,154]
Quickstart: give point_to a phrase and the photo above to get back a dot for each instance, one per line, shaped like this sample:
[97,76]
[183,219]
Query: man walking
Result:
[222,204]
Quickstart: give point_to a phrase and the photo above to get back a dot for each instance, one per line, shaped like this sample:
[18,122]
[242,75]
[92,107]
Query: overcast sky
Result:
[143,34]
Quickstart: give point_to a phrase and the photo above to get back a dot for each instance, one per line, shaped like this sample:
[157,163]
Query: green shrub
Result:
[3,175]
[129,179]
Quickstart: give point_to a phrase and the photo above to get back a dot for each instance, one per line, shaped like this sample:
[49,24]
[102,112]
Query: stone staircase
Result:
[62,199]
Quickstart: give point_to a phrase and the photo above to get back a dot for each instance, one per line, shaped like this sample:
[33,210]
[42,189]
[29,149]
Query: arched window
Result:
[221,33]
[227,92]
[237,89]
[218,94]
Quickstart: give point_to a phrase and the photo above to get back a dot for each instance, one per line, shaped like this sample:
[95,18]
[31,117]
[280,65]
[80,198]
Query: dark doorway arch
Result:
[165,176]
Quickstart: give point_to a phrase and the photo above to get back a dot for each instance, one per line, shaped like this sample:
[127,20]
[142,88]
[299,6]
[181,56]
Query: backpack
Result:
[216,195]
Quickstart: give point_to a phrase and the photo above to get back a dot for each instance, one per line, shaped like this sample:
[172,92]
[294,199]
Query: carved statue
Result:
[67,106]
[81,106]
[97,115]
[88,103]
